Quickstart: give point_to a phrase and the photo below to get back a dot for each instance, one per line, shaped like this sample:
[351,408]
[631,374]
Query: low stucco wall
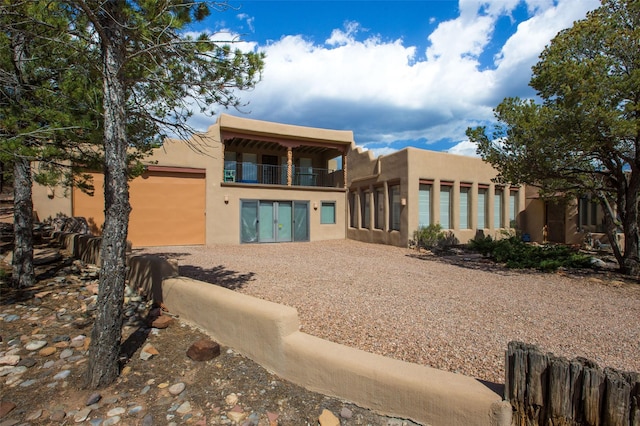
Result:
[269,334]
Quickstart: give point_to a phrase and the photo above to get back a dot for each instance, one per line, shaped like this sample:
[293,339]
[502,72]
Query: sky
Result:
[396,73]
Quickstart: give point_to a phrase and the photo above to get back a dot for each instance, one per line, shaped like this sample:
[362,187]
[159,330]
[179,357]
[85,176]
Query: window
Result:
[464,207]
[424,205]
[328,212]
[250,168]
[394,207]
[513,208]
[229,166]
[482,208]
[353,222]
[587,212]
[445,207]
[379,202]
[366,210]
[497,209]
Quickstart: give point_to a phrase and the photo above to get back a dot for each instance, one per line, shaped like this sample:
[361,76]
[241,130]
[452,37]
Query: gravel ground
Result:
[455,314]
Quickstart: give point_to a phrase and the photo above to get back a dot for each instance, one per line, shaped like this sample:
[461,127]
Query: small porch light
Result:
[315,206]
[403,201]
[226,199]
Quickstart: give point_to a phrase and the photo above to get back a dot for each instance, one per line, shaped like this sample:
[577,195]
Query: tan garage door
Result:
[168,207]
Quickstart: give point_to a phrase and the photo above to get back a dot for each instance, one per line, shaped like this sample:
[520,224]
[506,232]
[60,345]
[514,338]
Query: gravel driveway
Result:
[456,316]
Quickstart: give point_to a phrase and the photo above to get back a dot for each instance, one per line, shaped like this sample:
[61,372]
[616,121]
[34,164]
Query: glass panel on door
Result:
[267,220]
[249,222]
[283,231]
[300,221]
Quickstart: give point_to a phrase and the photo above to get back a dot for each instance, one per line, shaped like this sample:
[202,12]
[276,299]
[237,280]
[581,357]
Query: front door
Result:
[274,221]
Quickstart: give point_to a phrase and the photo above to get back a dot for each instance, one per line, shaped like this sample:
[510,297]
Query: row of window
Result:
[426,207]
[465,202]
[379,208]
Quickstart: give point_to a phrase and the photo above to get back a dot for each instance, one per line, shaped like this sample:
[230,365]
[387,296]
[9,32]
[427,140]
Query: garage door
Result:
[168,207]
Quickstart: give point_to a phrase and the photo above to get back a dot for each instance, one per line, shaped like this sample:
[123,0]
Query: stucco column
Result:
[473,211]
[455,206]
[435,197]
[372,208]
[344,169]
[289,166]
[222,157]
[387,206]
[490,201]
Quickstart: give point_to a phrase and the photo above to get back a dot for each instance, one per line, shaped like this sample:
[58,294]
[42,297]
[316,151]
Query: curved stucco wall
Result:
[269,334]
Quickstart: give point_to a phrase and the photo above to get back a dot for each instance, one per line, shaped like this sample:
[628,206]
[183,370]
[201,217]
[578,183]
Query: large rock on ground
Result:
[203,350]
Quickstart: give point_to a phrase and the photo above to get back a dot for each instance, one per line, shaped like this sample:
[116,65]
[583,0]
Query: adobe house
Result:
[243,181]
[391,196]
[250,181]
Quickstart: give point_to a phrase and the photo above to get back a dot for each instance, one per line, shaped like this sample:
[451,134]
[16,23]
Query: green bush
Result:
[429,236]
[517,254]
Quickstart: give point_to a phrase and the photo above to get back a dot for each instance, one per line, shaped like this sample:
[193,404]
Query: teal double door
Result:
[265,221]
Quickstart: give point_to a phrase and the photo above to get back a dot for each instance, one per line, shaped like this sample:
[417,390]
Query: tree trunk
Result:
[23,273]
[631,259]
[103,368]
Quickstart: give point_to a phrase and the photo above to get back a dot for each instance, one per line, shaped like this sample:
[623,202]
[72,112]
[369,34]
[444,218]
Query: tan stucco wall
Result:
[408,167]
[269,334]
[226,226]
[50,201]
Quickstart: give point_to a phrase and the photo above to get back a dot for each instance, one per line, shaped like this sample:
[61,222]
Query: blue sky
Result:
[396,73]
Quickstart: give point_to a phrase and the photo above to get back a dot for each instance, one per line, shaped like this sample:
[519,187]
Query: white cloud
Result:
[464,148]
[384,91]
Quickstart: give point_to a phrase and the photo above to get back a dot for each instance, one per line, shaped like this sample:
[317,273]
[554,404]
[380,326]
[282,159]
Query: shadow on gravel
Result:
[218,275]
[474,262]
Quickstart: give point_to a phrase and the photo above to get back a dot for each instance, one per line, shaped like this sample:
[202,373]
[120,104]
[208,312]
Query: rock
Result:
[273,418]
[111,421]
[6,407]
[177,388]
[231,399]
[134,411]
[203,350]
[34,345]
[184,408]
[66,353]
[10,360]
[57,416]
[163,321]
[63,338]
[345,413]
[14,371]
[34,415]
[27,362]
[93,398]
[236,414]
[48,351]
[327,418]
[27,383]
[78,341]
[11,318]
[147,420]
[148,351]
[115,411]
[82,415]
[62,375]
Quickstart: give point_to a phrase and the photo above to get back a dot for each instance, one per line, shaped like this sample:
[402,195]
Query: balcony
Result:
[266,174]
